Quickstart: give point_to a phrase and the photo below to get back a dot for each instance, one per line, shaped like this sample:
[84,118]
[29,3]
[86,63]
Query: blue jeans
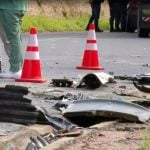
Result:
[96,8]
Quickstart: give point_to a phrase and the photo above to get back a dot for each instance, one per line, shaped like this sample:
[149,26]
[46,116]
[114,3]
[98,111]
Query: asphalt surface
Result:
[61,53]
[121,53]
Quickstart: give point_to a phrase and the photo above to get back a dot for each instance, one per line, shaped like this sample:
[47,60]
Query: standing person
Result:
[11,13]
[123,20]
[115,15]
[96,9]
[112,15]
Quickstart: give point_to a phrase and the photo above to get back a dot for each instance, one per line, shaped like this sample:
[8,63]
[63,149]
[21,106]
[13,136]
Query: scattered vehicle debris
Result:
[146,65]
[132,93]
[21,110]
[60,123]
[91,80]
[17,89]
[61,96]
[15,108]
[62,82]
[142,83]
[60,106]
[145,103]
[95,80]
[43,140]
[78,96]
[107,108]
[16,93]
[125,77]
[68,99]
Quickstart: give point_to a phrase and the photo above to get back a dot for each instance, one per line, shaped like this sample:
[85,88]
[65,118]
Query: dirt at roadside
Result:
[119,137]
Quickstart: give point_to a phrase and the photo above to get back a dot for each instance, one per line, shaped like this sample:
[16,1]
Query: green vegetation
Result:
[146,139]
[146,143]
[44,23]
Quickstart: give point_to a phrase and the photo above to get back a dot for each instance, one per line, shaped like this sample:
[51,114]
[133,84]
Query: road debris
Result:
[142,83]
[145,103]
[60,123]
[107,108]
[146,65]
[95,80]
[41,141]
[125,77]
[132,93]
[68,99]
[61,82]
[15,108]
[17,89]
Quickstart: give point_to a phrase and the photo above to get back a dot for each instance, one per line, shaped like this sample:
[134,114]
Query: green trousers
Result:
[11,21]
[4,40]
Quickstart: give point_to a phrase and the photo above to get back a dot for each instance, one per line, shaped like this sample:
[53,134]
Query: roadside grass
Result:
[146,140]
[44,23]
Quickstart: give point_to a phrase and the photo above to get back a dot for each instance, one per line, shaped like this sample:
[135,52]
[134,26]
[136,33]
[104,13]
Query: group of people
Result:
[118,14]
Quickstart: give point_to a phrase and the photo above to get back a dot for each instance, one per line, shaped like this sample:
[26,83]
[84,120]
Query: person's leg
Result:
[123,17]
[97,9]
[111,24]
[12,25]
[111,20]
[117,16]
[91,18]
[3,36]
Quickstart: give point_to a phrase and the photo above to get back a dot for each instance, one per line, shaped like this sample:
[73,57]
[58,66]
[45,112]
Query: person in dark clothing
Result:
[115,15]
[96,9]
[123,19]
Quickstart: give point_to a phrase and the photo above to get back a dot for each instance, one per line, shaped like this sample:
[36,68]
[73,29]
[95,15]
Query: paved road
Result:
[60,53]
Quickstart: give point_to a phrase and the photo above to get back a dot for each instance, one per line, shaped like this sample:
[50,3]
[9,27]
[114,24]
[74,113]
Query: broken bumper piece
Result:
[95,80]
[107,108]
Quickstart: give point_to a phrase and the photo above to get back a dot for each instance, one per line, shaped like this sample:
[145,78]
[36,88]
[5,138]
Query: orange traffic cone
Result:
[91,56]
[31,71]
